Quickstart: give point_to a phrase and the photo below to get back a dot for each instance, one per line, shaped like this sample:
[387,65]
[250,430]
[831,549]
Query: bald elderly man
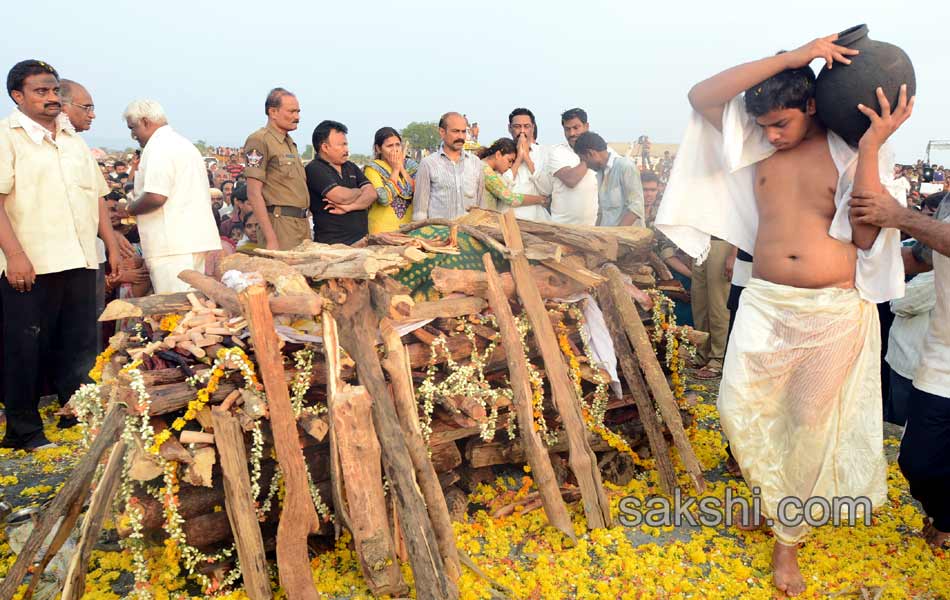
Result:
[448,181]
[77,104]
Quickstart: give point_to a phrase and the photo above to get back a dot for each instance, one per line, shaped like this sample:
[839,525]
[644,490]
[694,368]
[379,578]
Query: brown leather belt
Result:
[288,211]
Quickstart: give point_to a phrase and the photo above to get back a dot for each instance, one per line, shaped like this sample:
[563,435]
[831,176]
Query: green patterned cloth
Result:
[417,277]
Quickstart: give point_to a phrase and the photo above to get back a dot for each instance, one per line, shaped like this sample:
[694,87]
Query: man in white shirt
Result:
[529,162]
[900,181]
[51,210]
[78,106]
[911,320]
[925,448]
[567,179]
[172,199]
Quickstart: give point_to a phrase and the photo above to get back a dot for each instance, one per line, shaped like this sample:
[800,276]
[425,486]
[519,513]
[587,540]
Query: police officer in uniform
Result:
[276,181]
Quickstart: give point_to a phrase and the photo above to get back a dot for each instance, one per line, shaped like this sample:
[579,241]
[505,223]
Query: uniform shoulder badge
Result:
[254,158]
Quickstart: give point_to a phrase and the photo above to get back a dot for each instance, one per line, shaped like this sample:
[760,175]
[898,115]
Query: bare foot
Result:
[785,572]
[753,523]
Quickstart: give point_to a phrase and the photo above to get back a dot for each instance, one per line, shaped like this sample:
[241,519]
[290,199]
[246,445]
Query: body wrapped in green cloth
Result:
[417,277]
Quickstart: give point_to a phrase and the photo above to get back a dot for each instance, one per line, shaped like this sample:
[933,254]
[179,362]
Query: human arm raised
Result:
[710,96]
[523,157]
[867,177]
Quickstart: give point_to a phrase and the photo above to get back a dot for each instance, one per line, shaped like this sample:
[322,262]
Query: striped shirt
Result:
[447,189]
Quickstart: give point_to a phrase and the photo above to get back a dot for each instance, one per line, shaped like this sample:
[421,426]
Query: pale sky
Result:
[373,63]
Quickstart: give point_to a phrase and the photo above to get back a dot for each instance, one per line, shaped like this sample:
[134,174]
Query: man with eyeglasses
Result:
[51,210]
[77,104]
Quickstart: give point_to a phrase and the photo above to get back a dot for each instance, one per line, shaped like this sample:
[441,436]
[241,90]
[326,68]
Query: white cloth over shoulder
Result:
[711,193]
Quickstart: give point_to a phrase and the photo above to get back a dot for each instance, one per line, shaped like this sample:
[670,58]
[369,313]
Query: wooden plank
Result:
[445,457]
[659,267]
[479,453]
[99,505]
[581,457]
[163,304]
[577,272]
[63,531]
[358,327]
[239,503]
[331,352]
[534,447]
[72,492]
[363,487]
[222,295]
[285,279]
[396,364]
[645,407]
[653,373]
[299,517]
[154,304]
[447,307]
[550,283]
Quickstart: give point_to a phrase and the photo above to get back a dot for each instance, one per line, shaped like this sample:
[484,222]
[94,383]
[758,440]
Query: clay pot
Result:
[841,89]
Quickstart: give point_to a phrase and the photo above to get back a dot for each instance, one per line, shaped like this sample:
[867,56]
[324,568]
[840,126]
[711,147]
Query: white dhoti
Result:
[164,270]
[800,400]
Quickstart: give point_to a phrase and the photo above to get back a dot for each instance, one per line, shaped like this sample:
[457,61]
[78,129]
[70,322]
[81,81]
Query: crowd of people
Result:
[75,232]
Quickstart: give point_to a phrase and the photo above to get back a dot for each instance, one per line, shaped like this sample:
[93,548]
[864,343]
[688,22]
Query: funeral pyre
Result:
[364,388]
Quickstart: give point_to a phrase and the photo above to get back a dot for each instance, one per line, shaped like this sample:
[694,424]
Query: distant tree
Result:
[421,136]
[361,159]
[308,153]
[202,147]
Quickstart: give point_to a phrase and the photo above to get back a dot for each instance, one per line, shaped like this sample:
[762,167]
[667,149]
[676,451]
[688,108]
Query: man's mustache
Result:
[51,104]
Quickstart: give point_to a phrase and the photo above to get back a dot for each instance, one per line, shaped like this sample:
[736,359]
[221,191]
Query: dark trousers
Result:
[49,330]
[925,455]
[100,303]
[899,395]
[886,318]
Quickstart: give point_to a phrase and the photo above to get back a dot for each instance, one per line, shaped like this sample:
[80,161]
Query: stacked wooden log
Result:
[359,418]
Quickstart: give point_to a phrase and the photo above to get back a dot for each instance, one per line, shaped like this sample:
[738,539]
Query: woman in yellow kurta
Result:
[392,174]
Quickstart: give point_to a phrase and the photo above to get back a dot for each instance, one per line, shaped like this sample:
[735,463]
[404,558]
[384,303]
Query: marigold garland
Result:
[170,322]
[101,361]
[596,425]
[666,329]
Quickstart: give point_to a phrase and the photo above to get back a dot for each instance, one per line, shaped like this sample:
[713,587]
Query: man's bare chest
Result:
[796,181]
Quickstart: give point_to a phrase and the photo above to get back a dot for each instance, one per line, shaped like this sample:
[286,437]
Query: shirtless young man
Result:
[782,413]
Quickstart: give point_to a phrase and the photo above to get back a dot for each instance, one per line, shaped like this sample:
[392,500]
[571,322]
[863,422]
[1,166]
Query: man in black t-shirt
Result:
[339,192]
